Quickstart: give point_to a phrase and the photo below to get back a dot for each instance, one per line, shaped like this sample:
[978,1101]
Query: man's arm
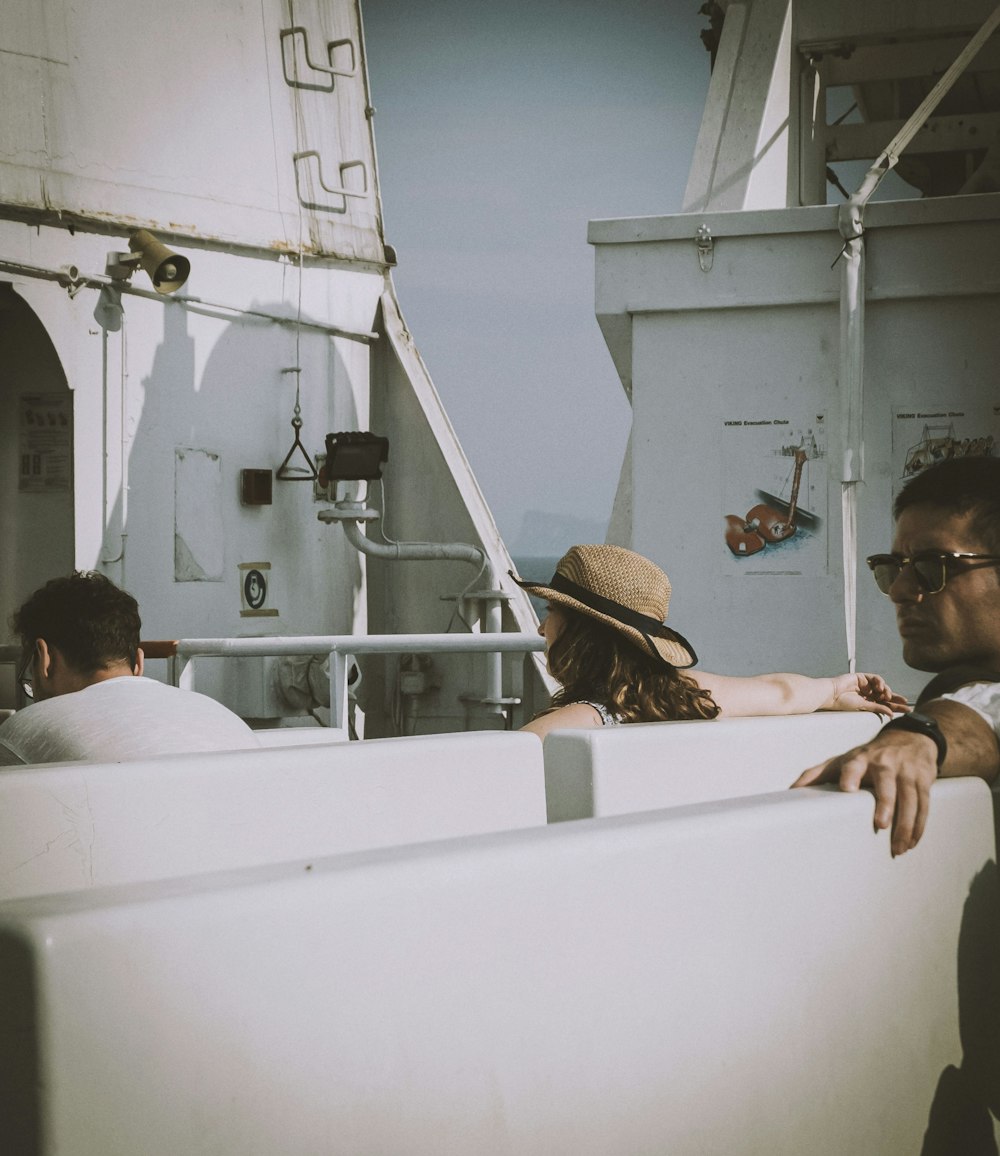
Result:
[900,766]
[8,758]
[10,733]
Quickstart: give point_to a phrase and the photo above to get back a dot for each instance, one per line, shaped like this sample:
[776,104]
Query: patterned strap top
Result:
[607,718]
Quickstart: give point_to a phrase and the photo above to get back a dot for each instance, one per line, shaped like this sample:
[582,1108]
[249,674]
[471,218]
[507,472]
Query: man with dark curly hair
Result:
[943,576]
[82,667]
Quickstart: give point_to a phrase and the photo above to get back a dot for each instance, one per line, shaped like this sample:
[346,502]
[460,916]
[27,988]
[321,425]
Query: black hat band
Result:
[642,622]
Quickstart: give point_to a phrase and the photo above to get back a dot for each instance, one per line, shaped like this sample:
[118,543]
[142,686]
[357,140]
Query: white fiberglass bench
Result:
[643,766]
[68,826]
[757,977]
[304,736]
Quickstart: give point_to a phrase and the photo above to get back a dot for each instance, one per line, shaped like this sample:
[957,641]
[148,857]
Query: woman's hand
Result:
[865,692]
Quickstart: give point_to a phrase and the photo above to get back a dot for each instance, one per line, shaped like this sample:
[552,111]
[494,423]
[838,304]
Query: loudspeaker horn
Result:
[167,270]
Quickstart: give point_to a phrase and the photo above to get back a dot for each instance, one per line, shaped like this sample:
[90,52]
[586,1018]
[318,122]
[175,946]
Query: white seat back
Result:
[754,977]
[643,766]
[304,736]
[67,826]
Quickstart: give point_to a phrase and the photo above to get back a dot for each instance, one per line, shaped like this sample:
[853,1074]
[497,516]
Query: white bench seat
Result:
[756,977]
[643,766]
[68,826]
[304,736]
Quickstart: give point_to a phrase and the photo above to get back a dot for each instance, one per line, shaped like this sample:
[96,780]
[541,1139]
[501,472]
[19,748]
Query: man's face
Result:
[961,624]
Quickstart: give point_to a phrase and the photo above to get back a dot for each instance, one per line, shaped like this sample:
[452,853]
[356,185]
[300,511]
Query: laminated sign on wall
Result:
[924,435]
[775,495]
[45,443]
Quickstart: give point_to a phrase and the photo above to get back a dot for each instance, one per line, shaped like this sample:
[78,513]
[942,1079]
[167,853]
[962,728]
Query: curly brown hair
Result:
[86,616]
[595,663]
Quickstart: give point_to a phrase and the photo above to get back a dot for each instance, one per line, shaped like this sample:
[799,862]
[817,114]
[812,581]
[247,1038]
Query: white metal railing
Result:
[340,647]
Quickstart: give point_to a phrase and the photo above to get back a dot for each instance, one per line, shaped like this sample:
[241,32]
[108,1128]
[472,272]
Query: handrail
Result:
[158,648]
[358,644]
[339,646]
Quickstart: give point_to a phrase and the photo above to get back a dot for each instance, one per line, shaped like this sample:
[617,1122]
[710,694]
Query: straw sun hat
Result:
[622,589]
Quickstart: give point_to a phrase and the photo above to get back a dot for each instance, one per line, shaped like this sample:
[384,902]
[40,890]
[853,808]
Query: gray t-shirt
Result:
[120,719]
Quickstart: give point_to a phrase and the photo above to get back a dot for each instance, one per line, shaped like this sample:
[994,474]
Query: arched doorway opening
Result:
[36,465]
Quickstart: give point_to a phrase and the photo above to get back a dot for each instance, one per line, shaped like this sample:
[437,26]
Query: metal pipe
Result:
[194,304]
[413,551]
[352,513]
[359,644]
[492,625]
[852,317]
[336,646]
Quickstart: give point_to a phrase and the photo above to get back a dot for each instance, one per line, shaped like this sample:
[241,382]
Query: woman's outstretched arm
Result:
[798,694]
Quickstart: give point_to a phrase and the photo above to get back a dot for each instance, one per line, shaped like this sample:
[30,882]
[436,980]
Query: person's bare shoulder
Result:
[570,717]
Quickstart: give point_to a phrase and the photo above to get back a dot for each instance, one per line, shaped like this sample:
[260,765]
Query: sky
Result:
[501,129]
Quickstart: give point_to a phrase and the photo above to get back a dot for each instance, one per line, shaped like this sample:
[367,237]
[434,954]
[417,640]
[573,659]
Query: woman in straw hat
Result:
[606,643]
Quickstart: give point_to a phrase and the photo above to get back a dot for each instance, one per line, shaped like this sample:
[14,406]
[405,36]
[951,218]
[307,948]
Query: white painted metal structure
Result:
[69,827]
[755,977]
[241,136]
[738,343]
[619,770]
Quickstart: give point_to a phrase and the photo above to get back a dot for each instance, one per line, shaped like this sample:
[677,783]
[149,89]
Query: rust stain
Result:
[111,222]
[286,247]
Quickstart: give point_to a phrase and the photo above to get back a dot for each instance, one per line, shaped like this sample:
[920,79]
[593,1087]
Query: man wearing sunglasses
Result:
[943,576]
[82,667]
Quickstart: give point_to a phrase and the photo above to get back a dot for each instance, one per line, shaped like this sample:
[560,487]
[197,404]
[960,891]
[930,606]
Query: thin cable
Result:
[297,105]
[298,328]
[460,601]
[274,132]
[384,534]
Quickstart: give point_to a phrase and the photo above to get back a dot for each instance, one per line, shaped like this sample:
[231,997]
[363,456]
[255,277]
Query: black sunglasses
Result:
[24,674]
[931,567]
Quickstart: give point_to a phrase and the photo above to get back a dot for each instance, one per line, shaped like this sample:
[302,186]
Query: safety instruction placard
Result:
[45,443]
[775,494]
[925,435]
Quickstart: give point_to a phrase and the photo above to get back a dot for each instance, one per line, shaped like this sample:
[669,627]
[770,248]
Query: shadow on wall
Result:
[199,421]
[967,1098]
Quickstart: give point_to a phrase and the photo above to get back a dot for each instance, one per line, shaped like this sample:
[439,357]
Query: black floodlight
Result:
[355,456]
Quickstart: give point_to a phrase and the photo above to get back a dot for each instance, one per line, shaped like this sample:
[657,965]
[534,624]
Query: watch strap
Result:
[921,724]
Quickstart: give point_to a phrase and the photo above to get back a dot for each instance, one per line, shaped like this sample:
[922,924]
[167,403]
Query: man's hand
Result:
[899,767]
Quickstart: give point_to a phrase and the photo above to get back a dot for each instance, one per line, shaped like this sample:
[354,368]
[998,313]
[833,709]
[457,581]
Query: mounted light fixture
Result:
[355,456]
[167,270]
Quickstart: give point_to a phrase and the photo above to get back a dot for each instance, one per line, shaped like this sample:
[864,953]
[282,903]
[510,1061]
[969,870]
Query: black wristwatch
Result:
[921,724]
